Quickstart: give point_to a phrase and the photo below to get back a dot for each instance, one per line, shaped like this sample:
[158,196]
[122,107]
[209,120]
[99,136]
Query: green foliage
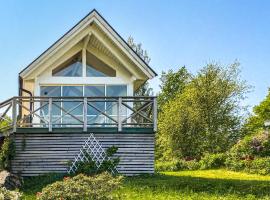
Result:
[251,154]
[82,187]
[261,113]
[257,145]
[172,84]
[5,124]
[177,165]
[9,195]
[213,161]
[205,117]
[108,165]
[7,153]
[208,161]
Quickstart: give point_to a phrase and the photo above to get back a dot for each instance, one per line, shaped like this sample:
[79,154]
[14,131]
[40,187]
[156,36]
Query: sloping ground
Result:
[194,185]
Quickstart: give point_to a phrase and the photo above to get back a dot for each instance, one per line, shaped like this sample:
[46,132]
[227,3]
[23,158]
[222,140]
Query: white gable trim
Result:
[93,16]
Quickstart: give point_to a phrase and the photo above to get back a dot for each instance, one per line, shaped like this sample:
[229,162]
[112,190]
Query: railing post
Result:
[50,114]
[155,114]
[119,114]
[85,114]
[14,114]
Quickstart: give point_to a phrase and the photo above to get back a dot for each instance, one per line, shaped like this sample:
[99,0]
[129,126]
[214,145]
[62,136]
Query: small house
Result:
[82,85]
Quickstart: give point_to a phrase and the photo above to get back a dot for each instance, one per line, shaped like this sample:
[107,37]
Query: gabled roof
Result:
[87,20]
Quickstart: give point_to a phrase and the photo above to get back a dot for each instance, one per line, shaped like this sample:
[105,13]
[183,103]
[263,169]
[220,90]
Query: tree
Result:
[205,117]
[145,89]
[261,113]
[172,83]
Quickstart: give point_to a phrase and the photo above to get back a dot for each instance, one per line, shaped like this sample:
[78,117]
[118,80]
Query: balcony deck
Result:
[79,114]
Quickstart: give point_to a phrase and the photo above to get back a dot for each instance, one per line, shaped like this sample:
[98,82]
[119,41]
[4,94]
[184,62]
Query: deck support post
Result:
[85,114]
[119,104]
[50,114]
[155,114]
[14,114]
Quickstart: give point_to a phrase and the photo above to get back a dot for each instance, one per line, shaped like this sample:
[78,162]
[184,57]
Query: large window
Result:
[75,107]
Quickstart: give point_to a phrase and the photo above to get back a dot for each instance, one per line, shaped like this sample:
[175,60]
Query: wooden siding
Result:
[38,153]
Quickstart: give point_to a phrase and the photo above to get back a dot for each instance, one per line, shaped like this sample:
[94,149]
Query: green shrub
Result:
[177,165]
[213,161]
[109,164]
[192,165]
[258,166]
[234,164]
[251,154]
[9,195]
[166,166]
[7,153]
[82,187]
[257,145]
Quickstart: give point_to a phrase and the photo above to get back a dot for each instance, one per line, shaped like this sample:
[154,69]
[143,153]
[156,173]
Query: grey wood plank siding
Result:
[38,154]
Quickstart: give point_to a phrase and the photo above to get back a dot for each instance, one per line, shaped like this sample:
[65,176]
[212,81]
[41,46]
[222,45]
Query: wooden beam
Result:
[86,40]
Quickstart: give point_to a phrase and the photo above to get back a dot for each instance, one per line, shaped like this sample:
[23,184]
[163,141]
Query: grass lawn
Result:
[200,184]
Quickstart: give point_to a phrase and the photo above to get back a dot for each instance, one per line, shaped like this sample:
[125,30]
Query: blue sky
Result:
[175,33]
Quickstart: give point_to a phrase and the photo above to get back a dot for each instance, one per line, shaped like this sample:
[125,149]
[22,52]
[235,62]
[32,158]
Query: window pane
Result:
[70,68]
[50,91]
[115,90]
[95,91]
[73,91]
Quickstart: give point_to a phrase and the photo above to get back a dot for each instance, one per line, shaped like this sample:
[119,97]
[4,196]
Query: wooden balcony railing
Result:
[84,112]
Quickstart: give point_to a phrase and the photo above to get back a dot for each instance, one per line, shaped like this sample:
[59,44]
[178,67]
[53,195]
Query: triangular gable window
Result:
[96,68]
[71,68]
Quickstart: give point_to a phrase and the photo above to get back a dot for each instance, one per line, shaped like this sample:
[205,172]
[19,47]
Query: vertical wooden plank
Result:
[119,105]
[14,114]
[50,114]
[85,114]
[155,114]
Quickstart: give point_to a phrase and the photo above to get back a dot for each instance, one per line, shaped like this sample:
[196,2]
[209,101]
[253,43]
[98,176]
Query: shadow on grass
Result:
[32,185]
[160,183]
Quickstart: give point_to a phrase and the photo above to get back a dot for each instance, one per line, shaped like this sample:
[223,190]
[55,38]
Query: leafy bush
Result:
[109,164]
[9,195]
[82,187]
[7,153]
[256,145]
[213,161]
[258,166]
[251,154]
[167,166]
[177,165]
[234,164]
